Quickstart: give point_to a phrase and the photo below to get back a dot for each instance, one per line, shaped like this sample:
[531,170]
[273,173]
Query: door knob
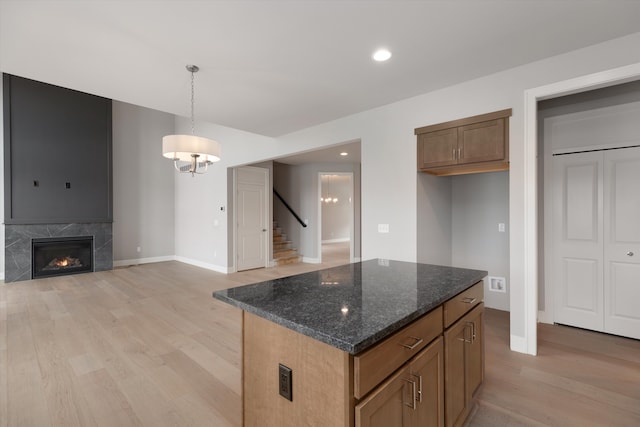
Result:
[630,253]
[264,229]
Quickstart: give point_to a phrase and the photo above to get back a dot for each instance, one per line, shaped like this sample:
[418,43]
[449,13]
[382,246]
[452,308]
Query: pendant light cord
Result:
[192,104]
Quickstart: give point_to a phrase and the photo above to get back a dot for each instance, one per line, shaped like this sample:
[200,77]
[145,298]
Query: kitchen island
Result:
[361,344]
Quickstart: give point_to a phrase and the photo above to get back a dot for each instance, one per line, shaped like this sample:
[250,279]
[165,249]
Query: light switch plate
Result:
[383,228]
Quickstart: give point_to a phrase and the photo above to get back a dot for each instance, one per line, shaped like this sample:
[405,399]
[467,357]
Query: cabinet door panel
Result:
[464,365]
[428,369]
[437,148]
[475,362]
[481,142]
[454,350]
[387,405]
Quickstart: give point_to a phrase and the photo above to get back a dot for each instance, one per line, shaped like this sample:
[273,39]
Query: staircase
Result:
[283,252]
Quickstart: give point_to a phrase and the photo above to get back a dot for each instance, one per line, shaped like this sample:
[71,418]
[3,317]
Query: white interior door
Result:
[622,242]
[252,214]
[577,270]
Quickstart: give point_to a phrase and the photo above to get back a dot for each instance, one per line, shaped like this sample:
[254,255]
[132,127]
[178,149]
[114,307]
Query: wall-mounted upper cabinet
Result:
[471,145]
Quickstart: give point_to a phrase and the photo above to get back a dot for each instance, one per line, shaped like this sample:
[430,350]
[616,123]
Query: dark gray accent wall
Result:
[58,157]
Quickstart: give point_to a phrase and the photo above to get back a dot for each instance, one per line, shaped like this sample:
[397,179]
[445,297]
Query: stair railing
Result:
[286,205]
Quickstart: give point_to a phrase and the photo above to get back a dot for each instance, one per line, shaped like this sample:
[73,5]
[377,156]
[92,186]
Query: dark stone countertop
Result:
[353,306]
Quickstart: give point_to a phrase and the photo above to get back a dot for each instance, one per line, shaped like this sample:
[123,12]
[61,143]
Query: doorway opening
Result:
[336,213]
[527,297]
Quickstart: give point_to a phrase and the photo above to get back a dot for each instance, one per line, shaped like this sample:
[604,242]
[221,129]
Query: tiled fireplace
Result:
[58,198]
[39,250]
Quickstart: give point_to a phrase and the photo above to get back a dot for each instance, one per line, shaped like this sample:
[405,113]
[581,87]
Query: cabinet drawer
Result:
[463,302]
[375,364]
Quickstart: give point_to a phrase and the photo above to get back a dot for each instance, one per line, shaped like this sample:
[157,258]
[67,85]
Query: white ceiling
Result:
[326,155]
[273,67]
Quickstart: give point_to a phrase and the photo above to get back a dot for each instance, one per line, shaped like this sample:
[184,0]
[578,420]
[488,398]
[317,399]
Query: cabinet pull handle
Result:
[473,330]
[411,405]
[454,154]
[629,253]
[419,377]
[469,300]
[459,156]
[464,334]
[415,344]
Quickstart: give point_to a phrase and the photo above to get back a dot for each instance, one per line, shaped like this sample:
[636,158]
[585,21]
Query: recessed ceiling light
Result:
[344,153]
[381,55]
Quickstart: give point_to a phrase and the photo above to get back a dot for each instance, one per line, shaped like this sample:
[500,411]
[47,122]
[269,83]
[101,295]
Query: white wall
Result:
[2,184]
[480,202]
[199,199]
[143,185]
[434,219]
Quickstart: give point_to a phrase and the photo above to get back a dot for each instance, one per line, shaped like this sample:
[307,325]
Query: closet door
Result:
[577,223]
[622,242]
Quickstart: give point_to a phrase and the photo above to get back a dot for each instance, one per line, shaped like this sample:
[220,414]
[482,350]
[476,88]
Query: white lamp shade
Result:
[181,147]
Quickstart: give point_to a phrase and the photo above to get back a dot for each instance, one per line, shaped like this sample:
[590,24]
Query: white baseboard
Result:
[128,262]
[518,344]
[218,268]
[344,239]
[545,317]
[311,260]
[357,259]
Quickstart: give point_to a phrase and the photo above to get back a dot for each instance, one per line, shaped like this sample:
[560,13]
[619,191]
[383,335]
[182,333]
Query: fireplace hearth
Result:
[61,256]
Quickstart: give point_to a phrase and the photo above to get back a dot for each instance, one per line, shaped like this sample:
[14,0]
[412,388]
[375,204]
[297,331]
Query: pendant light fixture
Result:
[190,153]
[327,198]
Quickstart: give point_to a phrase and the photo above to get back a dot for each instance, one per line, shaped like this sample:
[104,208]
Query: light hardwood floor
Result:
[148,345]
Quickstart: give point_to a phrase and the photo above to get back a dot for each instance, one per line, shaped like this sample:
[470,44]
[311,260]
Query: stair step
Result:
[280,238]
[285,244]
[293,259]
[283,253]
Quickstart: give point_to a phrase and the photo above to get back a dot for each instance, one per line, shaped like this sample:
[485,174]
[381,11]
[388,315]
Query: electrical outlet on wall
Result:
[285,382]
[497,284]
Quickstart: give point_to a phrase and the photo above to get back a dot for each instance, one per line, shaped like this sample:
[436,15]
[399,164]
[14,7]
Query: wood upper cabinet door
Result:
[464,365]
[470,145]
[481,142]
[427,369]
[437,149]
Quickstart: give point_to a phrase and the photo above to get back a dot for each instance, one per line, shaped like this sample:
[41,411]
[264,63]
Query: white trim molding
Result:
[138,261]
[528,344]
[342,240]
[201,264]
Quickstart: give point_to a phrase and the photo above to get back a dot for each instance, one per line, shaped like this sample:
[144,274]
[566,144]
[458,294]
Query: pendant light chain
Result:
[192,103]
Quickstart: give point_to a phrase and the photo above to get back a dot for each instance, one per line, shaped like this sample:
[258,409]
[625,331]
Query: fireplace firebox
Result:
[61,256]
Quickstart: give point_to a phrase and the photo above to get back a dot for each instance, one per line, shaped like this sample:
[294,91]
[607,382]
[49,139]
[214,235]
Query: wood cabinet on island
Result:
[363,344]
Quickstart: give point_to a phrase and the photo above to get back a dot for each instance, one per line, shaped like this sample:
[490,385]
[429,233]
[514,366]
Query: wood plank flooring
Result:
[148,346]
